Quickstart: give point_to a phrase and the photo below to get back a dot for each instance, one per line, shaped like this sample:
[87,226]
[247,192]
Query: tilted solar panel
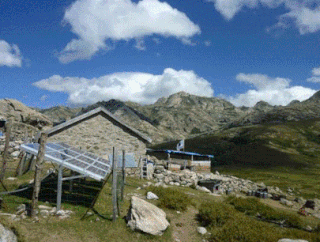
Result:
[82,162]
[130,160]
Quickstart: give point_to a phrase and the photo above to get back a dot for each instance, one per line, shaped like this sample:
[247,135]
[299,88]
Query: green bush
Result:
[171,198]
[215,214]
[244,229]
[252,207]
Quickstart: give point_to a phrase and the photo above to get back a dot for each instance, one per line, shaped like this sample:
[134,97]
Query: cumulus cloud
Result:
[275,91]
[304,14]
[316,71]
[139,87]
[96,22]
[9,55]
[315,75]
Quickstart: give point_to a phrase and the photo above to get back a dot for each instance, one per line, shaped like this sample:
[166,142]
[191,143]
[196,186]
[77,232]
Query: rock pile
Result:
[44,211]
[14,146]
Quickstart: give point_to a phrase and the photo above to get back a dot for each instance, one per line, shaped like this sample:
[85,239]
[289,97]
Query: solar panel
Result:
[82,162]
[130,160]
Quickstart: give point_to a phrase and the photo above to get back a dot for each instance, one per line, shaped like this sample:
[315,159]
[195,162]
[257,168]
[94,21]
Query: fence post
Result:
[6,147]
[114,185]
[37,174]
[123,172]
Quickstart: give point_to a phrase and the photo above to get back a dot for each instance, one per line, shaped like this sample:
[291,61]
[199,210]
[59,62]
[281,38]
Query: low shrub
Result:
[253,207]
[215,214]
[245,229]
[171,198]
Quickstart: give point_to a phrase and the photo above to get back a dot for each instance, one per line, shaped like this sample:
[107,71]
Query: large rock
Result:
[146,217]
[6,235]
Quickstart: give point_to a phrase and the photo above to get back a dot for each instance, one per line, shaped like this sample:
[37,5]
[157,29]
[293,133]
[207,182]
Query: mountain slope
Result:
[294,111]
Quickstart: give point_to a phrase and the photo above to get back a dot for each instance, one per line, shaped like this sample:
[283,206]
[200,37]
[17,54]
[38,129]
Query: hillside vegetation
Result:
[285,154]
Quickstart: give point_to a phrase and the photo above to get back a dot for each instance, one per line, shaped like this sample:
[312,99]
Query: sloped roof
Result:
[92,113]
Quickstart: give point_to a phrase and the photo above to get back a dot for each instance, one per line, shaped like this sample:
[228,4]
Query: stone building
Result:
[98,131]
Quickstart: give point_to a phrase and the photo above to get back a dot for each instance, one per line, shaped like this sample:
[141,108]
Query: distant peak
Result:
[262,104]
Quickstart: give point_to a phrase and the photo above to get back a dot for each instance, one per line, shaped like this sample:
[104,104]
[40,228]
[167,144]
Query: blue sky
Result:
[73,53]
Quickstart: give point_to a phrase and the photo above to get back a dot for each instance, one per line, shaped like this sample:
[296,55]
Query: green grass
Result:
[171,198]
[226,223]
[253,207]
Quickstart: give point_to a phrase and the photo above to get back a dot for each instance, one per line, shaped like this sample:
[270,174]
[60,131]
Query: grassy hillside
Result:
[284,154]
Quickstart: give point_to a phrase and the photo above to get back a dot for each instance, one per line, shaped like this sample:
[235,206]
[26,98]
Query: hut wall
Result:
[98,135]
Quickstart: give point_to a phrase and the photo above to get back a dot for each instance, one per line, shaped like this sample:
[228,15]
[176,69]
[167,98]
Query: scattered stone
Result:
[309,228]
[151,195]
[204,189]
[44,207]
[292,240]
[11,178]
[15,153]
[146,217]
[44,213]
[97,219]
[21,207]
[6,235]
[202,230]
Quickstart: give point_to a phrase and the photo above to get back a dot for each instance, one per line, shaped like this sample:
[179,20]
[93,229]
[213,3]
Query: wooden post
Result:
[6,147]
[59,188]
[123,172]
[114,184]
[37,174]
[21,164]
[141,168]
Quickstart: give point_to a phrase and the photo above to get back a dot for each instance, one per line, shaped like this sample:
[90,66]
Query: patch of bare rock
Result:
[146,217]
[6,235]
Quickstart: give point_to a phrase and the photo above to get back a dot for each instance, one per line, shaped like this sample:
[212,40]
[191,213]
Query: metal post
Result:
[114,185]
[59,189]
[123,172]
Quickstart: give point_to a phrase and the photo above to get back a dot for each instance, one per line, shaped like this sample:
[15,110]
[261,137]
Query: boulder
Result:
[151,195]
[202,230]
[146,217]
[6,235]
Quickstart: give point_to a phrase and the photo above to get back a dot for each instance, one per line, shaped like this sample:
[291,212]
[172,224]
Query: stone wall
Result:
[99,135]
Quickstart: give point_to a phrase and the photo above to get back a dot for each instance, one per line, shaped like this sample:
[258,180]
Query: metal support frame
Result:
[73,177]
[59,189]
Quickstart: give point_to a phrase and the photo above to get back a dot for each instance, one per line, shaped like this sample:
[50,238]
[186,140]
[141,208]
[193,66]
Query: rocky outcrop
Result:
[294,111]
[11,108]
[6,235]
[146,217]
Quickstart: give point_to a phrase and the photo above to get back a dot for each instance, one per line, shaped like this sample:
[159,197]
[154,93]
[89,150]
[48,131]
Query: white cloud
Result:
[275,91]
[140,44]
[139,87]
[316,71]
[315,75]
[95,22]
[207,43]
[304,14]
[44,97]
[9,55]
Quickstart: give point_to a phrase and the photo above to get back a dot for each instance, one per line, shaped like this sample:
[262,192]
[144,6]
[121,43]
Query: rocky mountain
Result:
[183,115]
[60,114]
[262,112]
[178,116]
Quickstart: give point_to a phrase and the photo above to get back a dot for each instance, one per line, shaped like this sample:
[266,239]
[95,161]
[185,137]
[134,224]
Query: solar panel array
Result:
[72,158]
[130,160]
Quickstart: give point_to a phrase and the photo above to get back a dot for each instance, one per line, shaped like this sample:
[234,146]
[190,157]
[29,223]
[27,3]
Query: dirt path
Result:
[184,226]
